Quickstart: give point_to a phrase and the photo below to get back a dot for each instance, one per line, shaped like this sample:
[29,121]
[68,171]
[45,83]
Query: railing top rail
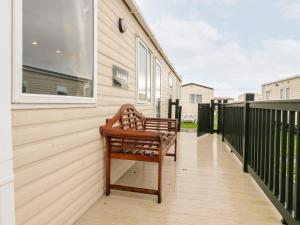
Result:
[235,104]
[290,105]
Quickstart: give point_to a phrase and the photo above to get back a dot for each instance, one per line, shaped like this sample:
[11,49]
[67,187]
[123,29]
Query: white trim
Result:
[18,96]
[7,194]
[140,41]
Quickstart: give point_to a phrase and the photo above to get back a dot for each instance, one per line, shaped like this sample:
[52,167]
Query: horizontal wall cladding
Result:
[274,88]
[58,152]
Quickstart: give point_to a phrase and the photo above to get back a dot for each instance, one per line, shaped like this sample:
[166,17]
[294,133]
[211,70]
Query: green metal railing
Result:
[265,136]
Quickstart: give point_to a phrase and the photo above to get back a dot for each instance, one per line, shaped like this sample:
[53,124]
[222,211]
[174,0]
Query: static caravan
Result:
[285,89]
[66,66]
[192,94]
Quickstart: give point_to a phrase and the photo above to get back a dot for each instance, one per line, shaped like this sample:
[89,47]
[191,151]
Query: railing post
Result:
[170,109]
[179,117]
[198,121]
[246,137]
[212,110]
[177,108]
[223,122]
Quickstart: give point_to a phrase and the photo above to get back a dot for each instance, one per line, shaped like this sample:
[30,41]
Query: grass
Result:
[186,125]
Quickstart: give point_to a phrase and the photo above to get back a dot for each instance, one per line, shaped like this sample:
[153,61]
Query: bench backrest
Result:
[131,118]
[127,118]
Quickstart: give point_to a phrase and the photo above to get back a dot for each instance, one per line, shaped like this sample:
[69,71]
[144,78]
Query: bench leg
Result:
[108,166]
[159,181]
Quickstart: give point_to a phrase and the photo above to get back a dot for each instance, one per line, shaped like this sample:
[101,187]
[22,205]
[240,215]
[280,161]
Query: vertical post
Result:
[179,117]
[223,122]
[177,108]
[212,110]
[246,137]
[198,120]
[7,194]
[170,109]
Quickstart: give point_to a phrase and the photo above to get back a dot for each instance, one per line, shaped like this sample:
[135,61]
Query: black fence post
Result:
[212,114]
[223,122]
[246,137]
[198,121]
[179,117]
[177,108]
[170,109]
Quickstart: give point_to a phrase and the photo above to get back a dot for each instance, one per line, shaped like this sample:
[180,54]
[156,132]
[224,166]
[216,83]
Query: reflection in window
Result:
[144,73]
[58,47]
[281,93]
[192,98]
[158,72]
[61,90]
[288,93]
[198,99]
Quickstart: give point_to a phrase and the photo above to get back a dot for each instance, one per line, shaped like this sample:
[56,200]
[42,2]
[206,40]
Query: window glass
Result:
[144,73]
[192,98]
[149,77]
[170,81]
[288,93]
[58,47]
[199,99]
[281,94]
[158,72]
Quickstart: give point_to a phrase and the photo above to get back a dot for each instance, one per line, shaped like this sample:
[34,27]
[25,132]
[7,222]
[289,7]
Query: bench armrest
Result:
[164,124]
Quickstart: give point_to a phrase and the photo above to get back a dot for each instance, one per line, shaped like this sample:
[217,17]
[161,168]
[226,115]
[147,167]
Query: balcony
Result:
[205,186]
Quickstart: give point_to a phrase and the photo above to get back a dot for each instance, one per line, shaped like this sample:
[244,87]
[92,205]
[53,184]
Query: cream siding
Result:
[58,152]
[187,107]
[274,89]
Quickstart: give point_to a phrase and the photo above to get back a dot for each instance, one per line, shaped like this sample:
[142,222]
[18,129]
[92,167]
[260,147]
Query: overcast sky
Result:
[231,45]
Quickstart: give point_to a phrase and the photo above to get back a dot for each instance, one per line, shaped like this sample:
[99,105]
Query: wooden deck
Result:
[206,186]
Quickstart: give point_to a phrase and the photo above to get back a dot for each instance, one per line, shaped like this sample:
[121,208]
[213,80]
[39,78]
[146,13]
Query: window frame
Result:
[149,70]
[18,96]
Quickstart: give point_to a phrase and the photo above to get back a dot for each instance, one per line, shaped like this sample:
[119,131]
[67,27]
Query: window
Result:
[288,93]
[170,81]
[268,94]
[170,86]
[178,89]
[57,38]
[198,99]
[192,98]
[144,73]
[281,93]
[61,90]
[158,73]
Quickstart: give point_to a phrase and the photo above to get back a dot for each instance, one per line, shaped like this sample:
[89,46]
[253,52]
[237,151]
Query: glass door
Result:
[158,73]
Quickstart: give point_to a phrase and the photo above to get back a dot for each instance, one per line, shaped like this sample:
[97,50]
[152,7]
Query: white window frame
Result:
[147,101]
[24,98]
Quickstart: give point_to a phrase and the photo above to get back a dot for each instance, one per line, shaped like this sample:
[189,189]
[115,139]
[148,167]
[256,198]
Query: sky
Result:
[231,45]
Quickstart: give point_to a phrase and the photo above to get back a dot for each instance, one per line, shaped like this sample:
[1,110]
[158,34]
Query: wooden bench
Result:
[131,136]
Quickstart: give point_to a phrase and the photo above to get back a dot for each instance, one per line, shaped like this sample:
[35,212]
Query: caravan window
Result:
[144,73]
[57,41]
